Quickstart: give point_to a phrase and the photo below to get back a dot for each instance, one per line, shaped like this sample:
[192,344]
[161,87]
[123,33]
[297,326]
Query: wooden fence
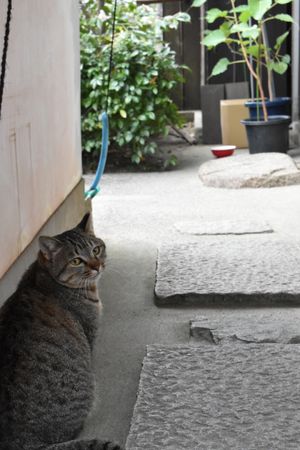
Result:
[186,43]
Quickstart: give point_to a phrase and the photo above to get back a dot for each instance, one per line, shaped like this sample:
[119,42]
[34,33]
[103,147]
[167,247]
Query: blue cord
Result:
[94,189]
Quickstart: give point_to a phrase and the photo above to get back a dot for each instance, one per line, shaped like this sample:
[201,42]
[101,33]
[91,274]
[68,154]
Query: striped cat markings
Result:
[47,331]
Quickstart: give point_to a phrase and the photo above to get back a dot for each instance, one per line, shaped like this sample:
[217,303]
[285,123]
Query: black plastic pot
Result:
[270,136]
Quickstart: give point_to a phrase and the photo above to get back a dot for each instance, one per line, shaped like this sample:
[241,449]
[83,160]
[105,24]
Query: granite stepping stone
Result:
[262,328]
[203,226]
[250,171]
[246,270]
[241,397]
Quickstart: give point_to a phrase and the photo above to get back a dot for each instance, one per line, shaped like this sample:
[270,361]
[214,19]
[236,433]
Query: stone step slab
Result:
[202,226]
[250,171]
[262,328]
[232,270]
[243,397]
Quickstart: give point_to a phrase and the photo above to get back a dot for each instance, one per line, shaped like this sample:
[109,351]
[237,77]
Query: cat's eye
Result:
[76,261]
[96,250]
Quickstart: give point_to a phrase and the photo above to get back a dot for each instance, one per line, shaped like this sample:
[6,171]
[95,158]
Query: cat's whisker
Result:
[109,268]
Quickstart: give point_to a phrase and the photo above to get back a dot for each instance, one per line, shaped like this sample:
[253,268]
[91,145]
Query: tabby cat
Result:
[47,330]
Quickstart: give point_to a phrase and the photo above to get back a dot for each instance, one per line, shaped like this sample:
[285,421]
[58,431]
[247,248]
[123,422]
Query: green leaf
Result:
[279,67]
[286,59]
[245,16]
[258,8]
[197,3]
[281,39]
[240,8]
[151,115]
[214,38]
[128,136]
[121,141]
[283,2]
[173,161]
[220,67]
[246,30]
[123,113]
[225,27]
[182,17]
[214,13]
[284,17]
[254,50]
[135,158]
[239,27]
[251,32]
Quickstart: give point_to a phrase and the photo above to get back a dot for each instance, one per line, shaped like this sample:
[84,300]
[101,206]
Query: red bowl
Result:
[223,150]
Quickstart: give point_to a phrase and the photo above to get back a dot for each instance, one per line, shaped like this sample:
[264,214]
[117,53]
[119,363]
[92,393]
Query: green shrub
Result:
[143,76]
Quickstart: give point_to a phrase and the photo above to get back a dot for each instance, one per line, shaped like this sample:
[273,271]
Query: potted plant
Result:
[242,29]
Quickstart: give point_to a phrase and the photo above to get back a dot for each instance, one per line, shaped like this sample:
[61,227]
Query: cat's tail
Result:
[93,444]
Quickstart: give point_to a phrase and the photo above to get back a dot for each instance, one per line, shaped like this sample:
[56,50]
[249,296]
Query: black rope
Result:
[4,53]
[111,54]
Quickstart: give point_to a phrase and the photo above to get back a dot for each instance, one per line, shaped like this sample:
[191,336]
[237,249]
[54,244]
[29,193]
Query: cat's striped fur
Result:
[47,330]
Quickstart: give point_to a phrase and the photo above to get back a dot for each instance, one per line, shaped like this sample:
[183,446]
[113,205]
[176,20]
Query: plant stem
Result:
[269,71]
[258,70]
[257,103]
[250,68]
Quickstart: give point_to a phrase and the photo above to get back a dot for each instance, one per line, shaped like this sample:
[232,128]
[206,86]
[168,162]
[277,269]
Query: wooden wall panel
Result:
[174,37]
[238,72]
[40,128]
[9,198]
[186,43]
[191,57]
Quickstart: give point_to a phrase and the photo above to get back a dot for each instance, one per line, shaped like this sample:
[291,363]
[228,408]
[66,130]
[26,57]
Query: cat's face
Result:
[74,258]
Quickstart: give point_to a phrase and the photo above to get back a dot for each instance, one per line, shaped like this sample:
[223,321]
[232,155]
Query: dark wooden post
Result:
[186,43]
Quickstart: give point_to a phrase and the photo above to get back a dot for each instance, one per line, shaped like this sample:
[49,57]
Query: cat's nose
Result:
[94,266]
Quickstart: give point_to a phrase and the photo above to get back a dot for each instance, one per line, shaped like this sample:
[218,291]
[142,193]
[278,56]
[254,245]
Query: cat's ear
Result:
[86,224]
[49,246]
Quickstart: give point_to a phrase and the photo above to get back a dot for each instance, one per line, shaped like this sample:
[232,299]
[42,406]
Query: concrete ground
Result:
[134,213]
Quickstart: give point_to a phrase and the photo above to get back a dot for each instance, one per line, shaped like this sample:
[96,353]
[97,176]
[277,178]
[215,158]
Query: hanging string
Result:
[110,66]
[4,53]
[94,189]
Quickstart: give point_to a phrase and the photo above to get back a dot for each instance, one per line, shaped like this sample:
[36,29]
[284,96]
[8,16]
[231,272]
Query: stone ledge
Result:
[202,226]
[218,398]
[250,171]
[247,270]
[263,328]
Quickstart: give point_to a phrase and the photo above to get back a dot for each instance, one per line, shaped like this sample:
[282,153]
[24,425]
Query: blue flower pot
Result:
[280,106]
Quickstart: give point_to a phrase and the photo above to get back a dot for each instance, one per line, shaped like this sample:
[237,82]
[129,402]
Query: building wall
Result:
[40,148]
[296,64]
